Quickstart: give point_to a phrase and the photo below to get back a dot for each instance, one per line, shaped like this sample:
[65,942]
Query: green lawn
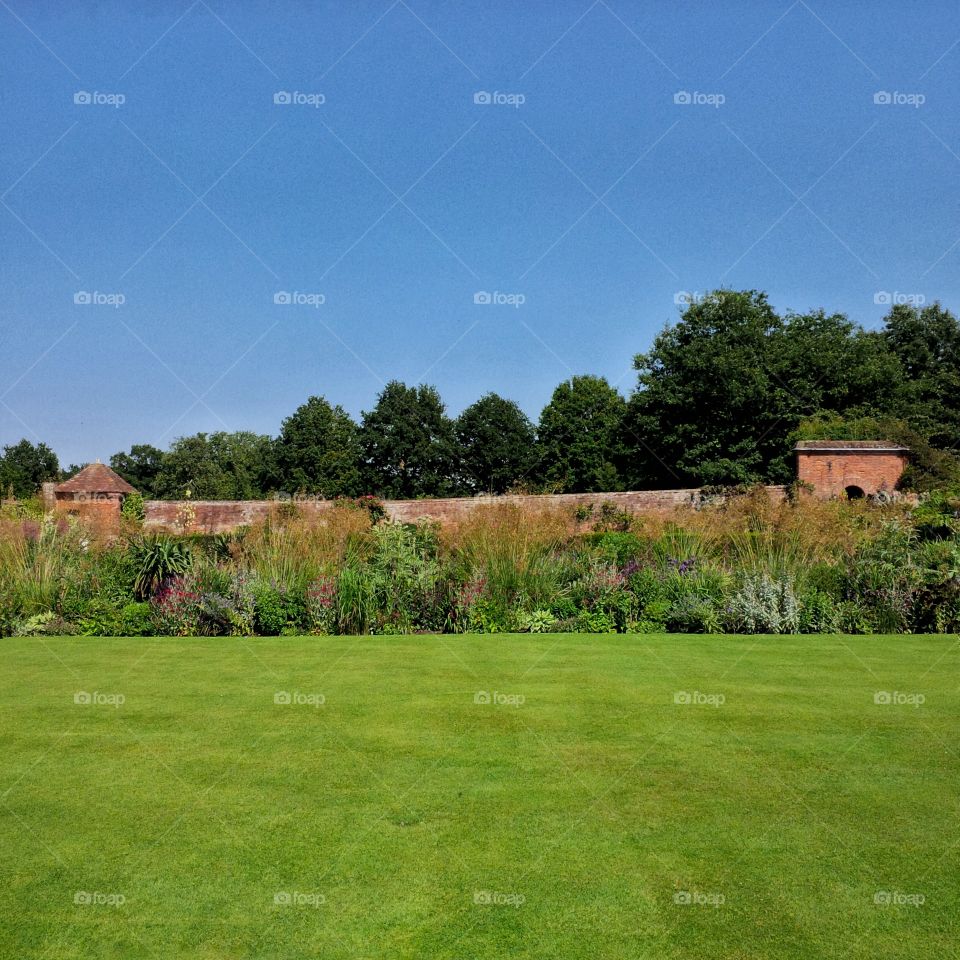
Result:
[400,818]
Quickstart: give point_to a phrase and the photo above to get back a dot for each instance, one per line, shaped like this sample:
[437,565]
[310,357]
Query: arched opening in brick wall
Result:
[854,492]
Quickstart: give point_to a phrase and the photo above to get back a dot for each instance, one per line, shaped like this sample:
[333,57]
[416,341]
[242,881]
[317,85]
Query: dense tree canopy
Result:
[721,397]
[926,341]
[140,467]
[407,444]
[24,467]
[318,451]
[720,392]
[577,439]
[496,445]
[221,466]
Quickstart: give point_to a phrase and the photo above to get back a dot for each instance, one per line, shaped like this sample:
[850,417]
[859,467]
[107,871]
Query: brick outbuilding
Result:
[855,468]
[96,493]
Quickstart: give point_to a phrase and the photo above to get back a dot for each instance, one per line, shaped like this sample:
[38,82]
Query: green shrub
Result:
[278,611]
[765,604]
[818,613]
[157,558]
[132,509]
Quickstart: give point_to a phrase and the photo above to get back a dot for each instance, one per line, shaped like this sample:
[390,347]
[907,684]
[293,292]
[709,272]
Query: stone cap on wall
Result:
[838,446]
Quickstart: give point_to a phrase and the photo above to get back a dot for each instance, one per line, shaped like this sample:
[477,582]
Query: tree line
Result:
[720,398]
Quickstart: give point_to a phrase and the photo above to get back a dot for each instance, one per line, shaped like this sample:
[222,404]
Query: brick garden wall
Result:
[220,516]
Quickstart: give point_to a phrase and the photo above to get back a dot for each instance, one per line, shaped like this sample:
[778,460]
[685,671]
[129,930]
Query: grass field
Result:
[585,811]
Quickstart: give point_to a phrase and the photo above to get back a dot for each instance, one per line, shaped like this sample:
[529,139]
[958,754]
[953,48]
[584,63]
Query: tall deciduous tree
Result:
[927,343]
[24,467]
[407,443]
[578,436]
[496,445]
[318,451]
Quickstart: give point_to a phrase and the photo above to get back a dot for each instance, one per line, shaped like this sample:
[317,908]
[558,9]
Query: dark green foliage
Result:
[140,467]
[24,467]
[720,392]
[318,451]
[156,559]
[279,611]
[578,437]
[407,444]
[221,466]
[926,341]
[496,445]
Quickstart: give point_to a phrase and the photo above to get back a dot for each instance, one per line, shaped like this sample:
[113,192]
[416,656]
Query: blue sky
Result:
[183,201]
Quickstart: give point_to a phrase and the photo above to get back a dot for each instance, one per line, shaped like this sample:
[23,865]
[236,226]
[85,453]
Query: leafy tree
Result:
[318,450]
[719,392]
[496,444]
[407,444]
[927,343]
[24,467]
[221,466]
[139,467]
[578,436]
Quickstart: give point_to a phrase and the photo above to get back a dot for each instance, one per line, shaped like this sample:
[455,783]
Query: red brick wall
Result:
[100,511]
[831,473]
[221,516]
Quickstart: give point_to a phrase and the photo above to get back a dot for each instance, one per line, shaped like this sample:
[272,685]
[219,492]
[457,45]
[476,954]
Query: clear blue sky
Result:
[398,198]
